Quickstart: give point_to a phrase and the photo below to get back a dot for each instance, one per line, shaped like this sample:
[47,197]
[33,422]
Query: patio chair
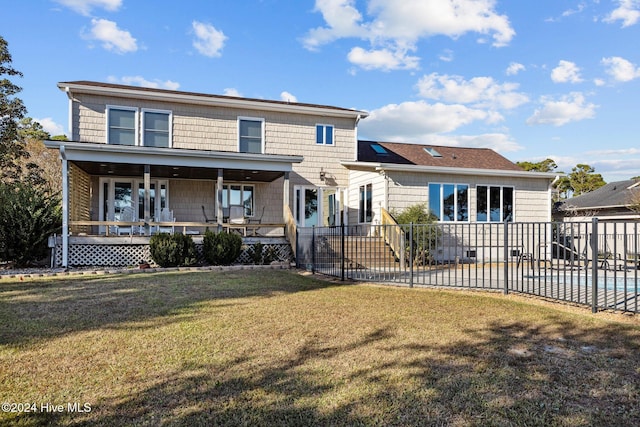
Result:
[236,217]
[166,216]
[257,220]
[127,214]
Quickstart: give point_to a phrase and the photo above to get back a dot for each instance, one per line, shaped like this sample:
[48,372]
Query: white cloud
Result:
[49,125]
[479,91]
[446,56]
[209,41]
[620,69]
[628,12]
[396,26]
[84,7]
[383,59]
[229,91]
[286,96]
[414,121]
[566,72]
[514,68]
[569,108]
[141,81]
[112,37]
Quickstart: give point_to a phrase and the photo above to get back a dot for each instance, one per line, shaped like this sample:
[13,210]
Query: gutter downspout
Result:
[550,200]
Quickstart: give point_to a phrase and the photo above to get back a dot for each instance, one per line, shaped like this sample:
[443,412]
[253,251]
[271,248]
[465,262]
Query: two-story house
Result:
[137,154]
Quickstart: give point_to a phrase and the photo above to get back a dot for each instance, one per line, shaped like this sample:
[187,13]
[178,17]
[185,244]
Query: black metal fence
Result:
[593,263]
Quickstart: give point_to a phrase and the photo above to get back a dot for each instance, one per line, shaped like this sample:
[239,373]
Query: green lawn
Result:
[274,347]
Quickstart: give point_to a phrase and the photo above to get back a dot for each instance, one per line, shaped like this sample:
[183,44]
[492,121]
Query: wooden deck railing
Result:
[179,226]
[393,236]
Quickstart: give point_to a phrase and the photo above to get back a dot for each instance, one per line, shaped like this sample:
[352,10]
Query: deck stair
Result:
[363,251]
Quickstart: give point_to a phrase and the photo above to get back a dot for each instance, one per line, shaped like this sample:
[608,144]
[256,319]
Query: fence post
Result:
[313,249]
[342,252]
[594,265]
[411,255]
[506,257]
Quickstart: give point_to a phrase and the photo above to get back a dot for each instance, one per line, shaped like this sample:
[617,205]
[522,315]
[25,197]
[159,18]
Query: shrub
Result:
[256,253]
[29,214]
[221,248]
[426,233]
[172,250]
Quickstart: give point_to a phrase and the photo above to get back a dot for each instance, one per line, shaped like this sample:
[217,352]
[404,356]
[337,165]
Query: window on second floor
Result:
[494,203]
[250,135]
[156,128]
[122,125]
[449,202]
[324,134]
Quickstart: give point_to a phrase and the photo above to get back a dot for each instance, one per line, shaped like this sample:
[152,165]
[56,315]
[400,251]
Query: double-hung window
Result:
[324,134]
[449,202]
[122,125]
[250,135]
[156,128]
[365,212]
[494,203]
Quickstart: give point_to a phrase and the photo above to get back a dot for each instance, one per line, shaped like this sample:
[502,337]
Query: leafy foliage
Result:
[546,165]
[424,231]
[172,250]
[221,248]
[28,215]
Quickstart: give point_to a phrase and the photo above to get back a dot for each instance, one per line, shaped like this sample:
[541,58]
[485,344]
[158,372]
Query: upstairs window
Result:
[495,203]
[251,135]
[449,202]
[156,126]
[324,134]
[121,125]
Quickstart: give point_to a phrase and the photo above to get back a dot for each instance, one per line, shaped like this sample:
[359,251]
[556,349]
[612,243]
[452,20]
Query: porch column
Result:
[285,195]
[65,208]
[147,194]
[219,184]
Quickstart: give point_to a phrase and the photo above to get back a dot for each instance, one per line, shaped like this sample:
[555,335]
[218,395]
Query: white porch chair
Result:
[236,217]
[166,216]
[127,214]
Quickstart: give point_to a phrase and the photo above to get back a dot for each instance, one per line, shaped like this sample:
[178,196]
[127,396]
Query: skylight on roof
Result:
[379,149]
[432,151]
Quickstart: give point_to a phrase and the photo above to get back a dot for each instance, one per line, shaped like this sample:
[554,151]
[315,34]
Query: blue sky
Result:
[530,79]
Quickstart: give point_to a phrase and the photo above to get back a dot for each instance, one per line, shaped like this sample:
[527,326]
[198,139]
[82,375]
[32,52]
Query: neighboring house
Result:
[459,185]
[610,202]
[137,153]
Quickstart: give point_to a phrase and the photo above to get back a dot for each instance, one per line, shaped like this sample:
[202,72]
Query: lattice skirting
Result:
[133,254]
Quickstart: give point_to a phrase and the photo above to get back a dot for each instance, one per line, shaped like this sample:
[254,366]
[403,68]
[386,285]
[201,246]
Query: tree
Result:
[547,165]
[583,179]
[12,110]
[49,166]
[29,208]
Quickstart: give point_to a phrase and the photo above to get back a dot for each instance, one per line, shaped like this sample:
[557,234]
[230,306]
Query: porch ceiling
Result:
[177,172]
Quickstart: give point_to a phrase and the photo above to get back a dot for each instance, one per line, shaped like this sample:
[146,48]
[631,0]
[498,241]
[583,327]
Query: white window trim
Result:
[228,184]
[152,110]
[324,136]
[455,201]
[136,120]
[373,214]
[513,214]
[262,130]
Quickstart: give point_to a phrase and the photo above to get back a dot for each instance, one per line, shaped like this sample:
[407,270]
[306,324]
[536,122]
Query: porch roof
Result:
[122,160]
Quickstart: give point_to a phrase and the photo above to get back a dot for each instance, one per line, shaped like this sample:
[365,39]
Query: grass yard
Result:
[274,347]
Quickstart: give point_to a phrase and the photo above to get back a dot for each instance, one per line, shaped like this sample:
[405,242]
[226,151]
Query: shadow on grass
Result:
[506,374]
[30,311]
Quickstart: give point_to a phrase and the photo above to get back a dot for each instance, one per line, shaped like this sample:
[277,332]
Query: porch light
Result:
[323,174]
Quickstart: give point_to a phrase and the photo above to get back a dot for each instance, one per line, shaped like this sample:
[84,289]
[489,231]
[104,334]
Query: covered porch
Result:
[114,195]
